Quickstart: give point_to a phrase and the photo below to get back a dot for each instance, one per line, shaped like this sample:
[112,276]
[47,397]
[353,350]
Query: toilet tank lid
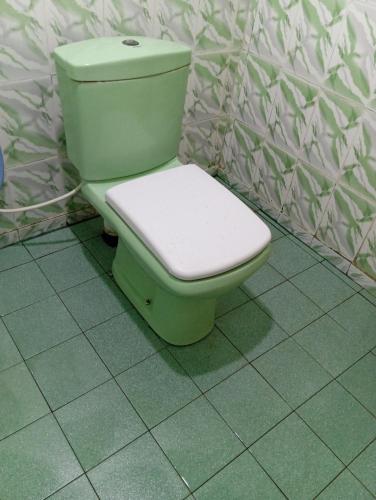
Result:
[120,58]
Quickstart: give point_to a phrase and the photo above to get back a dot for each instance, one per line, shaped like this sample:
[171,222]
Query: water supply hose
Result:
[43,204]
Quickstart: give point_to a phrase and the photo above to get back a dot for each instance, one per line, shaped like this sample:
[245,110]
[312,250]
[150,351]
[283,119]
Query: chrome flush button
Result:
[130,42]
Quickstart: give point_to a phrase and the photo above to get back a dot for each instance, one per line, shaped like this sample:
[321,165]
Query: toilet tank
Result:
[123,102]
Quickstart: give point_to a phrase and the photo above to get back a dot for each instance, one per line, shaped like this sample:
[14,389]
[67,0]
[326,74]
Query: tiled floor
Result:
[279,401]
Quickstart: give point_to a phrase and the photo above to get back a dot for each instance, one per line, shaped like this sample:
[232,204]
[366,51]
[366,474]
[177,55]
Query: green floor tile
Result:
[21,400]
[139,471]
[288,259]
[357,316]
[296,459]
[124,341]
[323,287]
[364,467]
[9,354]
[348,281]
[22,286]
[36,462]
[292,372]
[69,267]
[67,371]
[79,489]
[251,330]
[306,248]
[13,256]
[102,252]
[158,387]
[371,297]
[51,242]
[209,361]
[289,307]
[340,421]
[262,281]
[41,326]
[248,404]
[88,229]
[345,487]
[228,302]
[197,441]
[360,380]
[99,423]
[242,479]
[332,346]
[95,301]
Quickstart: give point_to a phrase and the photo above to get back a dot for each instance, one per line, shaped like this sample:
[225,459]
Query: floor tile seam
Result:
[74,286]
[19,362]
[74,244]
[330,483]
[344,465]
[135,364]
[334,319]
[144,423]
[253,297]
[259,356]
[93,255]
[17,265]
[25,426]
[334,377]
[366,298]
[68,484]
[235,307]
[52,294]
[361,482]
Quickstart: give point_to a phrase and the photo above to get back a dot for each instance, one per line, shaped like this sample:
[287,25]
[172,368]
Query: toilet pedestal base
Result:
[177,319]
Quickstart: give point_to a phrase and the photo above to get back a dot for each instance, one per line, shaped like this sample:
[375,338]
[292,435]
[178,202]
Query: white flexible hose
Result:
[43,204]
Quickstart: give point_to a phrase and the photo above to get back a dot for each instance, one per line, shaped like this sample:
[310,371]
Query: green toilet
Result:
[184,239]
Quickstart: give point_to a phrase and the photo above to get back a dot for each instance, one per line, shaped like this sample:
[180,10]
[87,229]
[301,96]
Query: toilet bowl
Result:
[184,239]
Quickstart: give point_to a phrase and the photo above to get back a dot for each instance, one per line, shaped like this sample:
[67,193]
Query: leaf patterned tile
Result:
[316,29]
[218,19]
[206,86]
[276,172]
[308,197]
[331,132]
[73,20]
[258,91]
[291,112]
[359,171]
[26,129]
[200,143]
[128,17]
[177,20]
[351,71]
[366,258]
[272,28]
[23,40]
[245,155]
[346,222]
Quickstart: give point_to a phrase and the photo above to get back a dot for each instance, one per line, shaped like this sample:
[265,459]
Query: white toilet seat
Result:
[194,226]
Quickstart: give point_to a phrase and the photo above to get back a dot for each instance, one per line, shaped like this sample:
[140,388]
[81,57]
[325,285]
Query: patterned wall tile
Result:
[258,91]
[244,156]
[206,87]
[27,131]
[331,132]
[73,20]
[244,19]
[366,258]
[307,198]
[23,42]
[352,68]
[316,29]
[291,112]
[200,143]
[275,175]
[128,17]
[360,165]
[233,80]
[178,20]
[218,22]
[346,222]
[272,28]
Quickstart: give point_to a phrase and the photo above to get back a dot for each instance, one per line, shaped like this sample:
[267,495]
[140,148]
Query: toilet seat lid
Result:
[193,225]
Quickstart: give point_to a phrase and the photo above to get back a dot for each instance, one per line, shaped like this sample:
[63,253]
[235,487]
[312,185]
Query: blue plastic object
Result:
[1,167]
